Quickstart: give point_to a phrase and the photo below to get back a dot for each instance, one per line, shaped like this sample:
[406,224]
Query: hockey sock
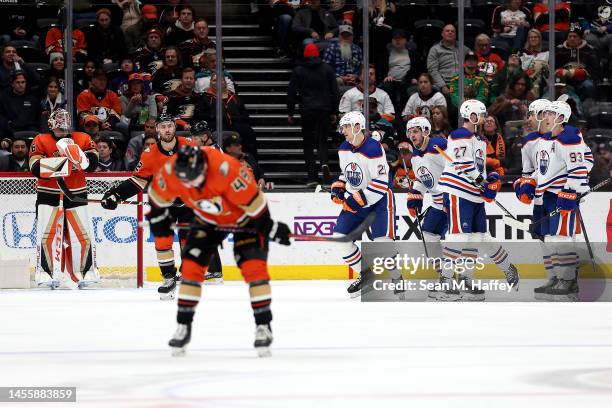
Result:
[188,299]
[261,298]
[469,256]
[353,259]
[501,259]
[566,265]
[549,265]
[165,259]
[450,257]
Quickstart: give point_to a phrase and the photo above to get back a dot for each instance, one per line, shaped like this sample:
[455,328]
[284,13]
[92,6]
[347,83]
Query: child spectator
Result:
[56,70]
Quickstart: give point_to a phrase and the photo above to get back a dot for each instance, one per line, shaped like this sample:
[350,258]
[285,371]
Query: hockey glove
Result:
[160,222]
[567,200]
[491,187]
[337,191]
[415,202]
[525,188]
[354,202]
[279,233]
[110,200]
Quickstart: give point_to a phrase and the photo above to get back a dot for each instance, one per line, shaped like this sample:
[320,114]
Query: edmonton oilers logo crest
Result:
[353,174]
[479,159]
[544,162]
[425,176]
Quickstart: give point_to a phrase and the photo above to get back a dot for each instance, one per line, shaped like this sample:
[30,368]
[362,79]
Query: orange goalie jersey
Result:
[44,145]
[229,195]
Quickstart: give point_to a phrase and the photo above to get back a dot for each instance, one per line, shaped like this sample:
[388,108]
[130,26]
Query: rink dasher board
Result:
[114,234]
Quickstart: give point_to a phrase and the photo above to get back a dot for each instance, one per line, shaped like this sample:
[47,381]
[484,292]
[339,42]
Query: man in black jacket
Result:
[18,109]
[17,161]
[314,83]
[105,42]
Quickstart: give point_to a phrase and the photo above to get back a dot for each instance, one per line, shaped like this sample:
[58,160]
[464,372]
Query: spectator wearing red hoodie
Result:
[489,63]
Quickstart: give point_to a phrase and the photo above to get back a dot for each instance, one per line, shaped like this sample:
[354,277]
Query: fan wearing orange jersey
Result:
[222,194]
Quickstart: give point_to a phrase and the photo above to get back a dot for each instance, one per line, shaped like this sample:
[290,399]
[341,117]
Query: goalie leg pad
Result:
[47,219]
[77,233]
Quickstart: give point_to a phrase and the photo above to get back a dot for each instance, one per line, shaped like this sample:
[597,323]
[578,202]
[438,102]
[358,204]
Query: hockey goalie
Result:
[59,160]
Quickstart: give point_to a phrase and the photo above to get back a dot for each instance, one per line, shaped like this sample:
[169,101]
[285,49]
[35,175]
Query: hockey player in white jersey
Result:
[466,187]
[363,187]
[428,164]
[563,162]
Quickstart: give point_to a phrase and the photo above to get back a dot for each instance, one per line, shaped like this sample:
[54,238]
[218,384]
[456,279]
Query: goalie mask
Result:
[60,120]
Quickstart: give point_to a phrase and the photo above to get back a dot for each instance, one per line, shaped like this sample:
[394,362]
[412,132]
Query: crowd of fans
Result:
[137,59]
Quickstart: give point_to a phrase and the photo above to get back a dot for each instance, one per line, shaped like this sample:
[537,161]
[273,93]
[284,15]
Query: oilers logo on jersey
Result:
[543,161]
[479,159]
[353,174]
[425,177]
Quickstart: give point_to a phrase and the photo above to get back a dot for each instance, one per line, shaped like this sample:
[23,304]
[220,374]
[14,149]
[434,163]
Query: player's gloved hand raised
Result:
[109,200]
[354,202]
[279,233]
[415,202]
[567,200]
[491,187]
[524,188]
[338,189]
[160,222]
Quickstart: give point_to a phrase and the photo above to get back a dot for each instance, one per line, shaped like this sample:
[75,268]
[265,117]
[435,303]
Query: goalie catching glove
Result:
[67,148]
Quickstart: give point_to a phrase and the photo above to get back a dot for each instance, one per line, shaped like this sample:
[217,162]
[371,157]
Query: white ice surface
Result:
[328,351]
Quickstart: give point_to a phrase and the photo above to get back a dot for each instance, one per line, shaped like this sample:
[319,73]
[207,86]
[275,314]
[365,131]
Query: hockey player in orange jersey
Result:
[70,223]
[222,194]
[151,160]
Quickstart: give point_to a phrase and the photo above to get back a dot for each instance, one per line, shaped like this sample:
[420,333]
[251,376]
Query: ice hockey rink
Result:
[328,351]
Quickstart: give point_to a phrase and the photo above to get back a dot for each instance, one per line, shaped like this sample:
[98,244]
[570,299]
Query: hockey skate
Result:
[450,293]
[167,290]
[263,339]
[355,288]
[563,291]
[512,277]
[540,291]
[213,278]
[179,341]
[469,292]
[400,293]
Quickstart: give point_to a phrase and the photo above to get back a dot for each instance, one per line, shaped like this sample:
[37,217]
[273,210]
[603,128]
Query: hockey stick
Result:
[322,189]
[508,218]
[586,240]
[558,210]
[418,212]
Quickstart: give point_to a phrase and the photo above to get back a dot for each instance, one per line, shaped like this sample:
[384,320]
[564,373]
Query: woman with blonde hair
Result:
[534,61]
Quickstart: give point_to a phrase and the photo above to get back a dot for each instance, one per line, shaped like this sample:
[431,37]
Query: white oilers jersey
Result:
[563,162]
[468,152]
[428,165]
[365,168]
[528,153]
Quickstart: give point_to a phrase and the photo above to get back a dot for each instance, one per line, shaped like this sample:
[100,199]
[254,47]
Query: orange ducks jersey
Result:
[229,195]
[153,159]
[44,145]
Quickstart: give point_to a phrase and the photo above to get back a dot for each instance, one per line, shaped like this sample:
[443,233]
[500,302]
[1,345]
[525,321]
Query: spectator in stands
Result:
[398,67]
[313,23]
[119,82]
[378,123]
[17,161]
[515,164]
[170,13]
[474,83]
[105,42]
[313,84]
[18,23]
[489,63]
[496,146]
[19,109]
[562,90]
[514,103]
[56,70]
[577,64]
[282,13]
[598,33]
[12,62]
[563,17]
[208,65]
[345,58]
[383,19]
[129,11]
[91,126]
[98,96]
[510,23]
[135,35]
[443,59]
[83,77]
[182,29]
[138,107]
[54,42]
[511,69]
[232,145]
[106,156]
[440,125]
[602,168]
[168,76]
[194,48]
[235,117]
[402,167]
[182,101]
[138,143]
[422,101]
[352,100]
[150,57]
[53,99]
[534,61]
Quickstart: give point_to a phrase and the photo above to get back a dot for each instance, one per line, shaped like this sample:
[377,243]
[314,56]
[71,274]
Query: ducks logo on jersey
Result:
[426,177]
[544,160]
[353,174]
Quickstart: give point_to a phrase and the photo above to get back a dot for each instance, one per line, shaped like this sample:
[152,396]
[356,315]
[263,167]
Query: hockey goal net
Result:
[117,236]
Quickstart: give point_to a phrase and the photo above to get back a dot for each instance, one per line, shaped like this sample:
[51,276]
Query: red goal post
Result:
[117,236]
